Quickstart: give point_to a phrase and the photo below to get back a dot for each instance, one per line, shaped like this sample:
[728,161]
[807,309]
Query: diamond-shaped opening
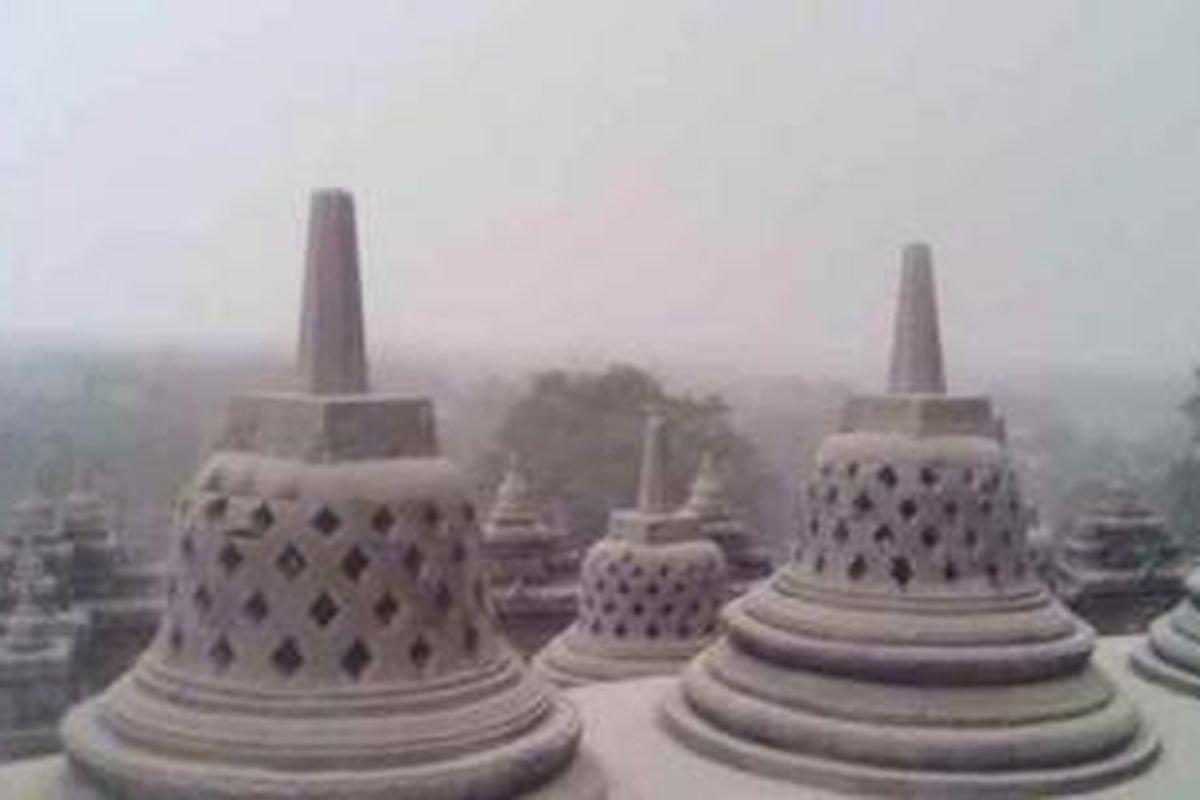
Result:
[857,568]
[950,572]
[841,532]
[468,512]
[221,654]
[356,659]
[420,652]
[291,562]
[863,504]
[230,557]
[323,609]
[355,564]
[325,521]
[443,598]
[287,657]
[887,476]
[431,515]
[831,496]
[202,598]
[908,508]
[930,537]
[929,476]
[256,607]
[902,571]
[413,560]
[993,572]
[383,520]
[216,508]
[262,517]
[951,509]
[884,535]
[386,608]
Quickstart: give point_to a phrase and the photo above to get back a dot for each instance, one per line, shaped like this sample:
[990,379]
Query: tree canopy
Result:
[579,435]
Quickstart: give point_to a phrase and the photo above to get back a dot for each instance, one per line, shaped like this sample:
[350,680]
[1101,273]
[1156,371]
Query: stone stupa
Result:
[37,649]
[118,594]
[649,593]
[327,631]
[746,558]
[532,566]
[908,649]
[1117,566]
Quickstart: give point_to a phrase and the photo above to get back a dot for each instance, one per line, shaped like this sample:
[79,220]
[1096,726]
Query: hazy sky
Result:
[714,180]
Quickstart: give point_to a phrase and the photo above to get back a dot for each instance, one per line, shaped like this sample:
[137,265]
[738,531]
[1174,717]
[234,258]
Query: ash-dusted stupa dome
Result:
[908,648]
[650,591]
[328,631]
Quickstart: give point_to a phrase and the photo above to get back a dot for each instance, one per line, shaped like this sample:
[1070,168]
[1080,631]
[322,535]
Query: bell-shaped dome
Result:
[328,631]
[908,648]
[649,591]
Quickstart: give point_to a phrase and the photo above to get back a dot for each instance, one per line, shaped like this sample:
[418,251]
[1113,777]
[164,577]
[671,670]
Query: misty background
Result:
[714,191]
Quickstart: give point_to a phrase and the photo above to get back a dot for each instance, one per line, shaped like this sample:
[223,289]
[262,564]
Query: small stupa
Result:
[650,590]
[531,565]
[746,558]
[1117,566]
[328,631]
[117,591]
[908,649]
[33,522]
[36,653]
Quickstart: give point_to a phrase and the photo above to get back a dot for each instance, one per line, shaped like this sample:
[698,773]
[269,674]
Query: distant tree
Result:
[579,434]
[1182,484]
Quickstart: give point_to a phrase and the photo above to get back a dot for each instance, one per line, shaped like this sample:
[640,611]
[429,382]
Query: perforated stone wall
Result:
[904,523]
[632,591]
[320,593]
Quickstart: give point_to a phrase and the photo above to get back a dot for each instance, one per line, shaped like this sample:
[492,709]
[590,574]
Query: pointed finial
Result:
[333,356]
[652,492]
[917,345]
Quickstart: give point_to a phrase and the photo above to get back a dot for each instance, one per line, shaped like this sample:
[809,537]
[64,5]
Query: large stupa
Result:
[908,649]
[327,631]
[532,565]
[649,592]
[1117,565]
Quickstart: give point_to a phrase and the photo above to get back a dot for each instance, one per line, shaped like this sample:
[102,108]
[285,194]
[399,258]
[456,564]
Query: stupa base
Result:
[569,664]
[1148,662]
[702,737]
[187,748]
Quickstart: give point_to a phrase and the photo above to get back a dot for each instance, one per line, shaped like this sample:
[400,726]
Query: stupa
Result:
[908,649]
[118,594]
[327,630]
[1117,566]
[531,565]
[650,590]
[36,654]
[33,522]
[708,504]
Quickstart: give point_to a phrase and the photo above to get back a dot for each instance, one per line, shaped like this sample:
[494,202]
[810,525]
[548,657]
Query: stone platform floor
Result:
[643,763]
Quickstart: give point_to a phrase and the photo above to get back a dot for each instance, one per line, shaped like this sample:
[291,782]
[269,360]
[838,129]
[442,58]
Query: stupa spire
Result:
[652,490]
[916,366]
[333,356]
